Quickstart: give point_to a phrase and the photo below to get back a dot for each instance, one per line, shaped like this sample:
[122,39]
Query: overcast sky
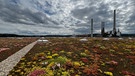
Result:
[65,16]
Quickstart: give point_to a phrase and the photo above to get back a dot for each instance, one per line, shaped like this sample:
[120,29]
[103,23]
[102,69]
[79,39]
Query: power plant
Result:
[113,32]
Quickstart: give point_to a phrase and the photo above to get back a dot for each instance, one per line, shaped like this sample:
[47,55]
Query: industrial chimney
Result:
[91,27]
[114,23]
[113,32]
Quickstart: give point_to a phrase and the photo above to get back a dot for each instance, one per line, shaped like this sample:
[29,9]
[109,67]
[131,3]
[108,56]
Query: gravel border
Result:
[8,64]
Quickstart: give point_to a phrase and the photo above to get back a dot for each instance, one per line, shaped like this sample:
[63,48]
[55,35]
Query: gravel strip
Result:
[8,64]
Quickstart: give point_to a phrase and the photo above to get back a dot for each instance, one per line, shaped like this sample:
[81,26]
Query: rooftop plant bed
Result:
[9,46]
[72,57]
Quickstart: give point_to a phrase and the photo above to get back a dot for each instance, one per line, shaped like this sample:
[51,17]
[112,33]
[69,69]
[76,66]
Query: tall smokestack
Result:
[91,27]
[102,28]
[114,22]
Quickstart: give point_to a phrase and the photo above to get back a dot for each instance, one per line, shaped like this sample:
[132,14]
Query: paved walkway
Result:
[8,64]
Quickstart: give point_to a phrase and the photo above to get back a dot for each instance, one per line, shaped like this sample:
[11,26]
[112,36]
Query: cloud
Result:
[103,11]
[64,16]
[16,14]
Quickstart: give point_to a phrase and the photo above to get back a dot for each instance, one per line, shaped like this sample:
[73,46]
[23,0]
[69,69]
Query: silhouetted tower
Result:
[91,27]
[102,28]
[114,23]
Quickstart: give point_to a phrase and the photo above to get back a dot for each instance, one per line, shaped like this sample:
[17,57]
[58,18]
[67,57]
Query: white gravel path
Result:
[8,64]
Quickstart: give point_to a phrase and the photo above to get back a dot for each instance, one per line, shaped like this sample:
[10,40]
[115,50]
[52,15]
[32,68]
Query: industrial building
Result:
[114,32]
